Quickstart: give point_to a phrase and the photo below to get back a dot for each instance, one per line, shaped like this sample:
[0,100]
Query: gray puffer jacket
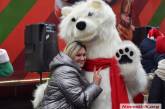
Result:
[67,88]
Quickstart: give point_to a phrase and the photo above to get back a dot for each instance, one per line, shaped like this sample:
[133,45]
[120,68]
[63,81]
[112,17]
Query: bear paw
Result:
[125,55]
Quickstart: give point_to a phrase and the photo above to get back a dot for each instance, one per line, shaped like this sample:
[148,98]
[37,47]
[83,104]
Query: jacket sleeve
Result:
[70,85]
[156,90]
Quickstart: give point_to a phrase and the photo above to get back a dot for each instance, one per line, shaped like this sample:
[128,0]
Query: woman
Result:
[125,27]
[157,90]
[67,88]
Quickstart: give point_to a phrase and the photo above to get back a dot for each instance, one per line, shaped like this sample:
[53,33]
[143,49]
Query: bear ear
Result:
[96,4]
[66,11]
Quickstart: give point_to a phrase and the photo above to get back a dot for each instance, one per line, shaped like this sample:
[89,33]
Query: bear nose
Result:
[81,25]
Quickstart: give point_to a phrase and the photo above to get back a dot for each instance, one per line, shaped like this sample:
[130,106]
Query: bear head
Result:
[88,20]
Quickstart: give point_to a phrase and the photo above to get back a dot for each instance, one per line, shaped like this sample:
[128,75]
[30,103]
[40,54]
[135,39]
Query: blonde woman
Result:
[67,87]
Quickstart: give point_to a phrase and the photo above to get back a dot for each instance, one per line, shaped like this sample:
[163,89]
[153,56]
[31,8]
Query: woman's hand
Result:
[97,77]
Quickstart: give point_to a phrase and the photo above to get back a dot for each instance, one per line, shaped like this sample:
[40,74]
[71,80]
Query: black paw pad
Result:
[125,55]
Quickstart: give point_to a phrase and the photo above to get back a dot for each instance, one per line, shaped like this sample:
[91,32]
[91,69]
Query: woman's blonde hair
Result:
[72,48]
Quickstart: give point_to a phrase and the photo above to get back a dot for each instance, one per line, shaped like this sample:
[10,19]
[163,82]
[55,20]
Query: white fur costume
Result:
[94,23]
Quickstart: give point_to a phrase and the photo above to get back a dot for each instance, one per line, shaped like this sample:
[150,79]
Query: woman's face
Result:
[80,57]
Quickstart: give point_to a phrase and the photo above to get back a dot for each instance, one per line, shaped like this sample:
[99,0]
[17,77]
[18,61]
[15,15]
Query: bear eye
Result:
[73,19]
[90,14]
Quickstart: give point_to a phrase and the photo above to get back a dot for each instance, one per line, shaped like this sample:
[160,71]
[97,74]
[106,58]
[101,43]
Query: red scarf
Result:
[118,88]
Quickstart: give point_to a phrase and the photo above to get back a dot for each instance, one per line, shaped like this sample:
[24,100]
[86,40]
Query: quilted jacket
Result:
[67,88]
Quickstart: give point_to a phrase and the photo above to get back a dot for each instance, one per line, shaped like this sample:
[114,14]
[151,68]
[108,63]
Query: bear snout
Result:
[81,25]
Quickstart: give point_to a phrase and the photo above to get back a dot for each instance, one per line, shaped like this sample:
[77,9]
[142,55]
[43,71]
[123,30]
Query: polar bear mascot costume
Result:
[93,22]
